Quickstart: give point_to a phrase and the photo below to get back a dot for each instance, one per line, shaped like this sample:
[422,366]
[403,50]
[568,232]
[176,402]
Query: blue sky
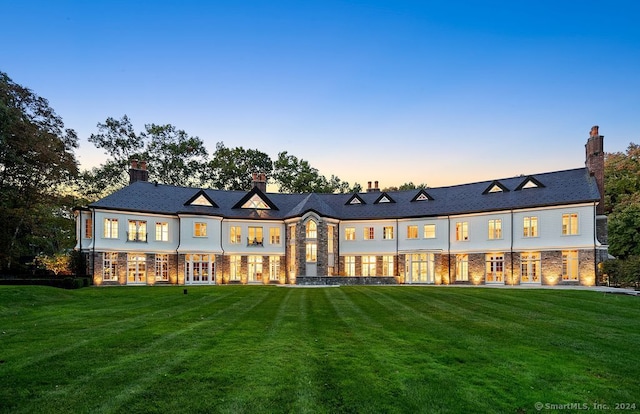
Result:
[436,92]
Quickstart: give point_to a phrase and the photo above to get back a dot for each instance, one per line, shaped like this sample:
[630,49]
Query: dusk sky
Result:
[435,92]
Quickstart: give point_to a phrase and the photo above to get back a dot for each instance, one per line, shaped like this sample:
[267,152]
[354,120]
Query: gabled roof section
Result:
[201,199]
[422,195]
[315,203]
[496,187]
[355,200]
[257,200]
[384,198]
[529,182]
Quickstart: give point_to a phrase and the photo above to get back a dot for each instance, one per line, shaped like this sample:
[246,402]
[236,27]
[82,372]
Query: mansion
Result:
[541,229]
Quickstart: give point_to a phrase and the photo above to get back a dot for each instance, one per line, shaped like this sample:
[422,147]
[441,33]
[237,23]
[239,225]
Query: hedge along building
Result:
[546,228]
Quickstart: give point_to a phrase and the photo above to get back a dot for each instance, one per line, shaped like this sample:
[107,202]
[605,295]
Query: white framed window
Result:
[387,266]
[274,268]
[387,233]
[462,231]
[312,252]
[330,234]
[235,234]
[429,231]
[369,233]
[570,265]
[274,235]
[570,224]
[162,267]
[530,267]
[530,226]
[136,268]
[199,229]
[368,265]
[494,267]
[254,268]
[462,267]
[495,229]
[110,267]
[311,230]
[349,233]
[255,236]
[235,263]
[110,228]
[412,232]
[88,228]
[198,268]
[162,232]
[137,231]
[349,265]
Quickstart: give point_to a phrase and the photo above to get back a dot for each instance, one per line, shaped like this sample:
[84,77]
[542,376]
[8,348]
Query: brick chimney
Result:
[595,162]
[138,171]
[372,189]
[259,180]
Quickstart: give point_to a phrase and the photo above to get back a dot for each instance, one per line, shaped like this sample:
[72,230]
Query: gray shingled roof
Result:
[560,187]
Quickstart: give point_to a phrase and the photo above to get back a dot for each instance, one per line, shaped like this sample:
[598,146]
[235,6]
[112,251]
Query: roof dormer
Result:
[355,200]
[529,182]
[422,195]
[257,200]
[201,199]
[496,187]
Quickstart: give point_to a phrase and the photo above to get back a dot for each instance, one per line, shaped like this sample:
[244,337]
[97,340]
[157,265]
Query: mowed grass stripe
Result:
[350,349]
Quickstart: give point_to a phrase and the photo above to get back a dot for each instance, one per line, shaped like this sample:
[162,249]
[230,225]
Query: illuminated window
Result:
[369,233]
[429,231]
[254,268]
[350,265]
[201,200]
[255,236]
[368,265]
[235,234]
[412,232]
[494,267]
[235,263]
[110,228]
[349,233]
[570,224]
[109,267]
[199,229]
[495,229]
[330,234]
[274,268]
[162,231]
[198,268]
[387,265]
[311,230]
[274,235]
[312,252]
[256,202]
[462,267]
[88,228]
[162,267]
[462,231]
[137,231]
[570,265]
[136,268]
[387,233]
[530,267]
[530,225]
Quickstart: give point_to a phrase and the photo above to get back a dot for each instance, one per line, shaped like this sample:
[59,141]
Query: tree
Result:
[294,175]
[621,176]
[37,165]
[406,186]
[232,168]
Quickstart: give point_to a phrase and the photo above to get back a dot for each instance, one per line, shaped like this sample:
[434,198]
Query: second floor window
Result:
[274,235]
[462,231]
[162,231]
[255,236]
[137,231]
[235,235]
[200,229]
[570,224]
[312,230]
[495,229]
[110,228]
[88,228]
[350,233]
[412,232]
[369,233]
[429,231]
[387,233]
[530,227]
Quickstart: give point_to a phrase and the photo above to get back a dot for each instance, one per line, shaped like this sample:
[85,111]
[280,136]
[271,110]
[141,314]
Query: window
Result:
[530,267]
[110,228]
[256,202]
[311,230]
[429,231]
[412,232]
[350,265]
[136,268]
[312,252]
[369,233]
[235,262]
[420,268]
[109,267]
[254,268]
[137,231]
[387,233]
[274,268]
[495,268]
[462,267]
[274,235]
[368,265]
[235,235]
[330,234]
[462,231]
[292,234]
[88,228]
[197,268]
[200,229]
[495,229]
[530,225]
[350,233]
[162,231]
[162,267]
[387,265]
[255,236]
[570,224]
[570,265]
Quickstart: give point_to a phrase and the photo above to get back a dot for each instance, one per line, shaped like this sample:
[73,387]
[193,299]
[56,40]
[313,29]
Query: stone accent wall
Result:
[602,229]
[442,266]
[476,268]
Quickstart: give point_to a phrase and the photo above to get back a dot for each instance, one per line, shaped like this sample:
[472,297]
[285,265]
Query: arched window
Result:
[312,230]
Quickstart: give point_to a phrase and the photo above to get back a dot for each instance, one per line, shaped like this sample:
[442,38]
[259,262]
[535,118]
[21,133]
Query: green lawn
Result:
[248,349]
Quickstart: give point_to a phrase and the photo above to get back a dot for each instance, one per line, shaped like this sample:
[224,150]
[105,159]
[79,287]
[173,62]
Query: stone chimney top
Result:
[594,131]
[259,180]
[138,171]
[372,189]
